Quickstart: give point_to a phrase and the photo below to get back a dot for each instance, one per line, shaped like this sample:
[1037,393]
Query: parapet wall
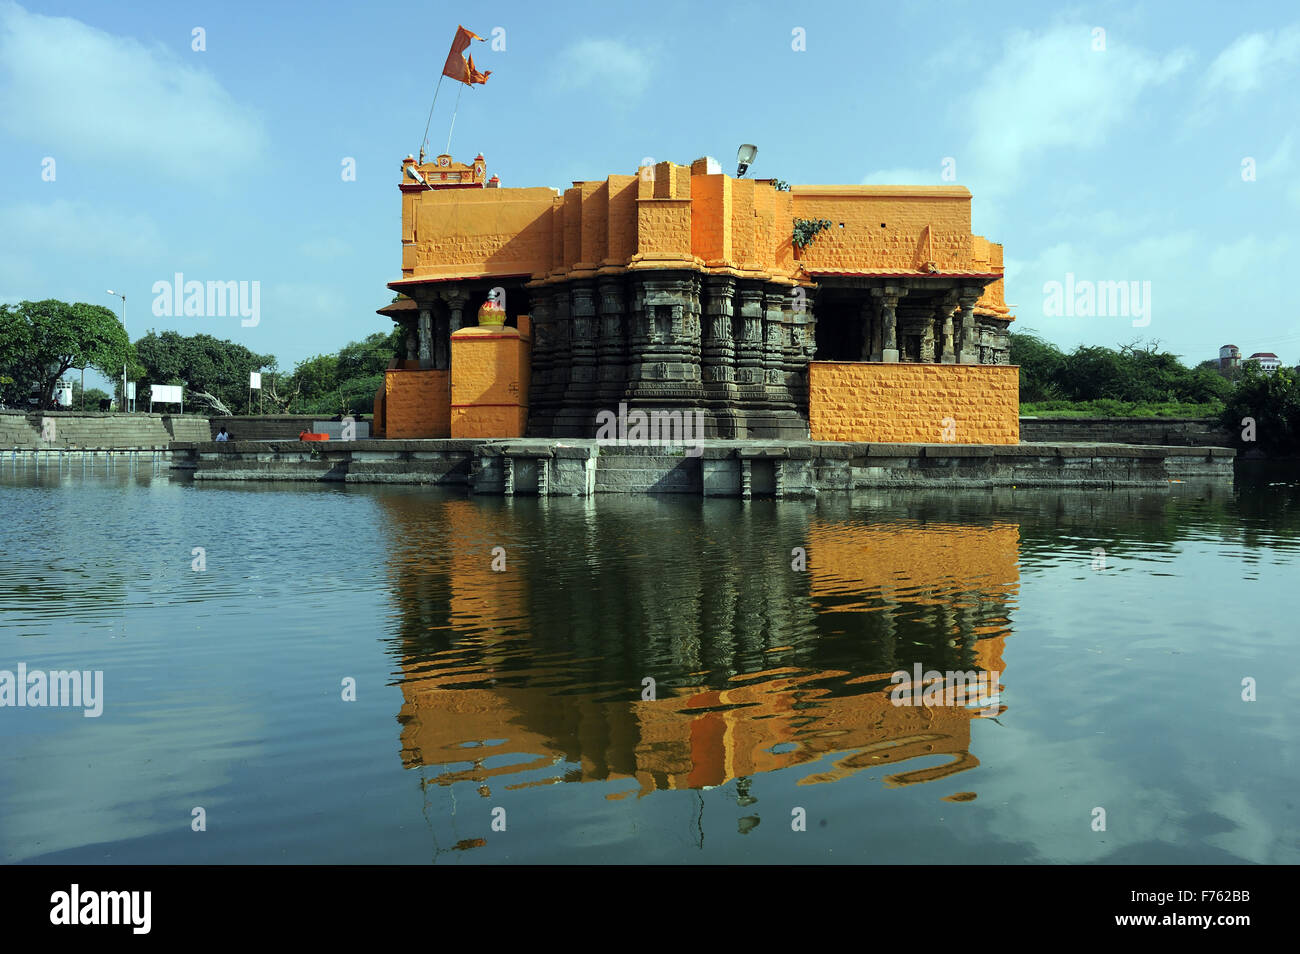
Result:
[65,429]
[887,227]
[914,403]
[270,427]
[676,216]
[417,404]
[113,430]
[1164,431]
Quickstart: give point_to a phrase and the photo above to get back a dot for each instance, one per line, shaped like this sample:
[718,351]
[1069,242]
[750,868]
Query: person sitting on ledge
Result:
[222,435]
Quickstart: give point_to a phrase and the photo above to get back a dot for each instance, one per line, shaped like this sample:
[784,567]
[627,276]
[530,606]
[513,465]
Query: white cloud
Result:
[1278,171]
[1246,62]
[604,65]
[80,231]
[1249,256]
[77,90]
[1050,91]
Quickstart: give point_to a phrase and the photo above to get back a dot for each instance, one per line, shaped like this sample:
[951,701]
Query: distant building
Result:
[1267,360]
[1229,357]
[63,393]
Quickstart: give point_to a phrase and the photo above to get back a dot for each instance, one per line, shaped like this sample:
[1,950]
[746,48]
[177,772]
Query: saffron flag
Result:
[457,66]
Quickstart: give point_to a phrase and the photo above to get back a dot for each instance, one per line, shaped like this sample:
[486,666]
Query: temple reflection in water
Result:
[536,675]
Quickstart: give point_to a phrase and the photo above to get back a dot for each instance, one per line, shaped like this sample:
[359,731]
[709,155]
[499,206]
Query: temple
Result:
[832,312]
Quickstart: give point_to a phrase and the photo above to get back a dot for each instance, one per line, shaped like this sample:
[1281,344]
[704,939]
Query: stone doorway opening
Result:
[841,333]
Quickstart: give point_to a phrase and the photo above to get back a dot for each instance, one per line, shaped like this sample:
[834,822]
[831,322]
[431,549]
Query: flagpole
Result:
[447,151]
[431,105]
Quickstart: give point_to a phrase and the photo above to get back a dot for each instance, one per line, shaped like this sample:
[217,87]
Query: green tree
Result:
[213,370]
[346,382]
[1090,373]
[1132,374]
[90,399]
[312,380]
[41,340]
[367,357]
[1040,366]
[1266,406]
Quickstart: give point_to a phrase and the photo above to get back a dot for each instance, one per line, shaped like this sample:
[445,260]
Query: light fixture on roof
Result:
[745,157]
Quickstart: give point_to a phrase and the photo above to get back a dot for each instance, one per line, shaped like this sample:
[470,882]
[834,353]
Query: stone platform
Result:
[575,467]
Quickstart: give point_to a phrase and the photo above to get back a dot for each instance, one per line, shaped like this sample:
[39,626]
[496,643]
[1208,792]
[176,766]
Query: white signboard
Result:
[130,390]
[165,393]
[255,380]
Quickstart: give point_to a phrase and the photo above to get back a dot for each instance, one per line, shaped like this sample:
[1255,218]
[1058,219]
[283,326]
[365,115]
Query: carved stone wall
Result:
[736,350]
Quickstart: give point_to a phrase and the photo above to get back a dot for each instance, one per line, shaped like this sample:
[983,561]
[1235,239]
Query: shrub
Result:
[1272,403]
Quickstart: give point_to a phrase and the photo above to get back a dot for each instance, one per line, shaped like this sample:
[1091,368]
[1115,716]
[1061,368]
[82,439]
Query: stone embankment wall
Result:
[55,429]
[269,427]
[550,467]
[1159,431]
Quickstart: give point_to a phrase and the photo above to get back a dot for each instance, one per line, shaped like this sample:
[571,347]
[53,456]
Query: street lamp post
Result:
[128,341]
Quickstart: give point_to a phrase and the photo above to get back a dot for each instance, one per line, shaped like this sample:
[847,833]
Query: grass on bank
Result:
[1106,407]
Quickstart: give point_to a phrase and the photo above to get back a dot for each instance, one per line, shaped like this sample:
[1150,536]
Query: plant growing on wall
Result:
[805,230]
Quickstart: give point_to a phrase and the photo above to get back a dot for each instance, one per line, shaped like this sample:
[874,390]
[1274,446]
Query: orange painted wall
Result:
[489,382]
[905,211]
[463,233]
[417,404]
[907,403]
[669,217]
[987,257]
[710,210]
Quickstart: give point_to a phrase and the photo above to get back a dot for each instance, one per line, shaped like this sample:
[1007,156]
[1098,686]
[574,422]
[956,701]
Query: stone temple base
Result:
[571,467]
[690,422]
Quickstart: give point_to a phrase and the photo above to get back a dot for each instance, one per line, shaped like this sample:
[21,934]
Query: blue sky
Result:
[1113,161]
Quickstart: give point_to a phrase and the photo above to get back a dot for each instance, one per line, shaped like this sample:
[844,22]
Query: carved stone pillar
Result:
[580,396]
[412,343]
[453,320]
[927,341]
[968,350]
[611,345]
[805,323]
[943,313]
[775,336]
[456,304]
[425,331]
[796,315]
[638,334]
[718,350]
[749,343]
[877,333]
[889,296]
[693,329]
[540,412]
[561,355]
